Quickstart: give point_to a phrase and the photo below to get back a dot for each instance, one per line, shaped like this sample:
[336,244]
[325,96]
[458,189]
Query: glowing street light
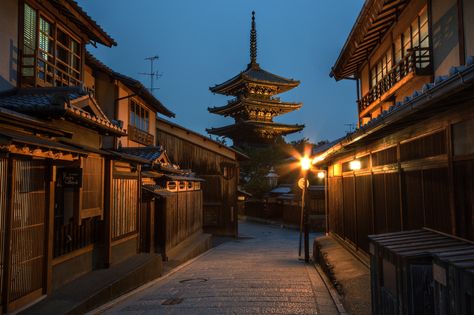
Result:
[321,174]
[305,163]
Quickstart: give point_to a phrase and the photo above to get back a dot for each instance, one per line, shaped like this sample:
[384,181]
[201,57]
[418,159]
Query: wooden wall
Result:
[179,216]
[124,207]
[419,176]
[219,191]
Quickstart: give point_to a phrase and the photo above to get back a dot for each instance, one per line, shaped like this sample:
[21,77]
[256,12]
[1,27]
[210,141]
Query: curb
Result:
[332,291]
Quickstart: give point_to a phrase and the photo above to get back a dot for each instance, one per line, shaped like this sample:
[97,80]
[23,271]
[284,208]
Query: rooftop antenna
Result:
[152,74]
[351,127]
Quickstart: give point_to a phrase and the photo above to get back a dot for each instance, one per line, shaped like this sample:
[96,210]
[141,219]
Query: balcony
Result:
[416,62]
[140,136]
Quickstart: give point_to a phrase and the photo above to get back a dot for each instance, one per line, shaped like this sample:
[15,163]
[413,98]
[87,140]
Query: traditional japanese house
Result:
[212,161]
[56,176]
[171,203]
[409,164]
[255,104]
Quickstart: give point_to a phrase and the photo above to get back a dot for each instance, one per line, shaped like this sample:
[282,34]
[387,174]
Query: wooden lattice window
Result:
[384,157]
[51,56]
[92,190]
[423,147]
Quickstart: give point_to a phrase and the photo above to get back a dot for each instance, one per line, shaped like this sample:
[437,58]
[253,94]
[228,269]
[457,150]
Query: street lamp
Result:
[306,163]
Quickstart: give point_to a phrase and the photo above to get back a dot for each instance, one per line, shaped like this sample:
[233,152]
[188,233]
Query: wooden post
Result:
[452,202]
[108,202]
[49,230]
[139,201]
[8,231]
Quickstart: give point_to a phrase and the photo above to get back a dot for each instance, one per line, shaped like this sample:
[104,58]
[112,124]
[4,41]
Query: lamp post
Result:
[305,166]
[323,175]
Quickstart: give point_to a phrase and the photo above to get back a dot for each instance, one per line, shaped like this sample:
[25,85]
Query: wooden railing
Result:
[417,61]
[71,237]
[140,136]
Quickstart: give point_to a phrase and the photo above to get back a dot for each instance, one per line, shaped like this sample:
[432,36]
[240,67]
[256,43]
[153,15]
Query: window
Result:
[381,68]
[416,36]
[139,116]
[51,57]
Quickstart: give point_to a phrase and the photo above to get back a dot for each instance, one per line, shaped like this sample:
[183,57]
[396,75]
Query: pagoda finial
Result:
[253,42]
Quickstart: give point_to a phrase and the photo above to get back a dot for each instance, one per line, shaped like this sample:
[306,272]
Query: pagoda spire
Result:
[253,43]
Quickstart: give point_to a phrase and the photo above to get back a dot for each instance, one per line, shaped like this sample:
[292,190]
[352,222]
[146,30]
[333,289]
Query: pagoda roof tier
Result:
[240,104]
[256,76]
[267,129]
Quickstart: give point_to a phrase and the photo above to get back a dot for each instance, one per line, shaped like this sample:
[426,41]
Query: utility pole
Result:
[152,74]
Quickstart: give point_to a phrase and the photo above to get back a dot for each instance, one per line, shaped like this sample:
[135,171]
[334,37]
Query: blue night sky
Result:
[202,43]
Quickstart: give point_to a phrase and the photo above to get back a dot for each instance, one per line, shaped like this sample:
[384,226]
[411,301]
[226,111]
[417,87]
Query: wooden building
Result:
[409,164]
[255,104]
[212,161]
[71,200]
[171,204]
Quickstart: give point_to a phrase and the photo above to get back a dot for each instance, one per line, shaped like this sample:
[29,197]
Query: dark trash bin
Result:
[453,274]
[402,270]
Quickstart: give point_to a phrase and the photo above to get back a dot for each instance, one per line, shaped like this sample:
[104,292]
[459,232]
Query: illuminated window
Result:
[51,56]
[139,116]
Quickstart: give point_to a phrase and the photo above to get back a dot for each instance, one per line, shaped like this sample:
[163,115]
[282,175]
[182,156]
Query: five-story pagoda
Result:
[255,104]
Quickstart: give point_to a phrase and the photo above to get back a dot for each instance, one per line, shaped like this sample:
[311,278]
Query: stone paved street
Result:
[257,274]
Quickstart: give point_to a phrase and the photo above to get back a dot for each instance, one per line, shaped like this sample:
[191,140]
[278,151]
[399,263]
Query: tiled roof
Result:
[258,125]
[135,85]
[255,74]
[459,79]
[161,121]
[56,102]
[147,153]
[90,24]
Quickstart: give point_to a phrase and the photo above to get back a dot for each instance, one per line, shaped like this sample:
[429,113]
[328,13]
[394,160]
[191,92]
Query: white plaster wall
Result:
[468,8]
[445,35]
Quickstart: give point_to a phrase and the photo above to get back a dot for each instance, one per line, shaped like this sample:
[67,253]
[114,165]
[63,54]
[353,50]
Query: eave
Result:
[78,16]
[443,94]
[282,129]
[374,20]
[237,83]
[270,105]
[136,86]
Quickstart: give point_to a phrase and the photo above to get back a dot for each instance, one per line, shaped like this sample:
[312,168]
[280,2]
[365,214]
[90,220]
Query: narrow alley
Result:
[259,273]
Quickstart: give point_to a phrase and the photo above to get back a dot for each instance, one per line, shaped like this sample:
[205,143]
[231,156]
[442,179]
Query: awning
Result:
[157,190]
[183,178]
[28,144]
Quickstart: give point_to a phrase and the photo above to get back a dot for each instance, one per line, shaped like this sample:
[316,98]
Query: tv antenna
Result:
[350,128]
[152,74]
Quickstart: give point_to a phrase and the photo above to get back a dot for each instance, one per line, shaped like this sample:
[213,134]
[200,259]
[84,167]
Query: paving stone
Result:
[260,274]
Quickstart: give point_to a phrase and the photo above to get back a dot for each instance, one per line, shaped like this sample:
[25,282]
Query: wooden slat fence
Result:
[3,207]
[28,216]
[183,216]
[124,207]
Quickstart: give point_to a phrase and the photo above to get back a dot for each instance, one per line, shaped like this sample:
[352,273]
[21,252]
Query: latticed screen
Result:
[124,207]
[58,58]
[92,186]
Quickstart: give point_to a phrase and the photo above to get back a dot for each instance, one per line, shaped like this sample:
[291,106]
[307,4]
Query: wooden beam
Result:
[108,202]
[8,234]
[49,230]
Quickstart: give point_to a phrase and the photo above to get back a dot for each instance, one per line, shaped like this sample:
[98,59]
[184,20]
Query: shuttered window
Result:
[51,56]
[29,41]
